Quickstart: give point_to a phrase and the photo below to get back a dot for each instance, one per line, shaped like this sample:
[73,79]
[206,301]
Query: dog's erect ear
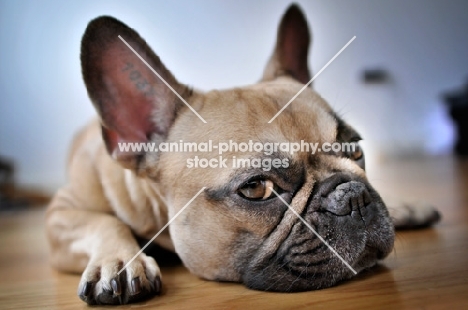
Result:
[132,102]
[292,47]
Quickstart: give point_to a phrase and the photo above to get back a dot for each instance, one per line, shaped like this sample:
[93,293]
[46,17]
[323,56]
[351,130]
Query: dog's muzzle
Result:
[350,216]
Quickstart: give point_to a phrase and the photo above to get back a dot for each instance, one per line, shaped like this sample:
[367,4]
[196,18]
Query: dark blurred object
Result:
[457,102]
[375,76]
[12,197]
[6,172]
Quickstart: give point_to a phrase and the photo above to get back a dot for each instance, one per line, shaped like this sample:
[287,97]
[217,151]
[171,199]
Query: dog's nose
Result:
[341,195]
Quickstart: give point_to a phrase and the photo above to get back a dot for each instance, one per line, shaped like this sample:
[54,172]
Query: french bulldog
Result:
[248,224]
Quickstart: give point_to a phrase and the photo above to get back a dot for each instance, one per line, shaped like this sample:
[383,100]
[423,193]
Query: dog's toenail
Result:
[116,287]
[157,285]
[86,290]
[136,286]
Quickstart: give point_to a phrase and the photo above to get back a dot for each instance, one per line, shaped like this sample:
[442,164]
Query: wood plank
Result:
[427,269]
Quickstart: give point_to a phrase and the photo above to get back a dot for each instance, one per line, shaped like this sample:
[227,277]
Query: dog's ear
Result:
[132,102]
[292,47]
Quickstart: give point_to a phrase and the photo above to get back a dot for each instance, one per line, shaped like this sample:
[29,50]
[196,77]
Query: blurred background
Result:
[389,83]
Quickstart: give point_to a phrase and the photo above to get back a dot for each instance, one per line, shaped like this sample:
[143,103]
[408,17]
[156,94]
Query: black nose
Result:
[341,195]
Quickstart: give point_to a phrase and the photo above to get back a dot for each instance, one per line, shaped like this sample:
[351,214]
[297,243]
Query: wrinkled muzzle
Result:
[352,220]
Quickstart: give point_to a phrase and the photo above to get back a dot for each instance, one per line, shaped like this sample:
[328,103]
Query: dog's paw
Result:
[102,285]
[407,216]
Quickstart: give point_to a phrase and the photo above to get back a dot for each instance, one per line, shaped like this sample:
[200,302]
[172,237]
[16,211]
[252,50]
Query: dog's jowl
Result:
[270,189]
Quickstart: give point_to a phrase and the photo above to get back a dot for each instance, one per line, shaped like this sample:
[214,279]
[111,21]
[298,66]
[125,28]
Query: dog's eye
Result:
[357,154]
[257,190]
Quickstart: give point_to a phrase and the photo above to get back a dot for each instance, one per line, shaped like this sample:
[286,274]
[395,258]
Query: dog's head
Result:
[274,220]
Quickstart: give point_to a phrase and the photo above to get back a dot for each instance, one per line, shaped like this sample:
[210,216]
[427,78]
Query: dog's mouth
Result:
[347,229]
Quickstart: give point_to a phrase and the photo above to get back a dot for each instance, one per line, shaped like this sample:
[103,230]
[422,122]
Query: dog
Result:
[250,224]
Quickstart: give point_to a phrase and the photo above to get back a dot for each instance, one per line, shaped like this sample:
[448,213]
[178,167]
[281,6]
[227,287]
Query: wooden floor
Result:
[427,270]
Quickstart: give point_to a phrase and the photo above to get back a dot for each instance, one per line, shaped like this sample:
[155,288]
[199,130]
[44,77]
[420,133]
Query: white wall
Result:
[219,44]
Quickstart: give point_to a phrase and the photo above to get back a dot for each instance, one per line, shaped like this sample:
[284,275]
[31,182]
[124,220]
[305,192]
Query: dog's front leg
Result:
[100,245]
[413,215]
